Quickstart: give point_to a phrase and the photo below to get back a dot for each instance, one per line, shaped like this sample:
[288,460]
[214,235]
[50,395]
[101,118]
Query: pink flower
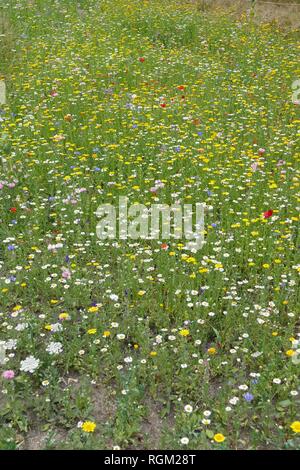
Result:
[66,273]
[8,374]
[261,151]
[254,166]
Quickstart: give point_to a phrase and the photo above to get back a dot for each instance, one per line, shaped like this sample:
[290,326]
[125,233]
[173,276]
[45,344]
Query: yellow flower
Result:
[295,426]
[219,437]
[93,309]
[290,353]
[212,351]
[106,334]
[92,331]
[153,353]
[17,308]
[63,316]
[266,266]
[88,426]
[203,270]
[191,259]
[184,332]
[141,293]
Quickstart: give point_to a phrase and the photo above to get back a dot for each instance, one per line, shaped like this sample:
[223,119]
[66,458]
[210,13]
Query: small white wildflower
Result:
[243,387]
[234,400]
[205,421]
[55,347]
[184,441]
[114,297]
[30,364]
[188,408]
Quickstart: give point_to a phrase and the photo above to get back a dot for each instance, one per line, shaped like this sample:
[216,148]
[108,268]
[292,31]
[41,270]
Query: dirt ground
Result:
[285,12]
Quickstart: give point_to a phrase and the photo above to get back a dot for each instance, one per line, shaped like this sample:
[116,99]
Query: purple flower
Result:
[248,396]
[10,247]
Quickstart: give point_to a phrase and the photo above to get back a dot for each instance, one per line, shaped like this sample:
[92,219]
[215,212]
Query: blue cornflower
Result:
[248,396]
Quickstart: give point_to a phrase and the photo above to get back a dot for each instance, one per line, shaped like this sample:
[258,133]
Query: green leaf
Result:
[285,403]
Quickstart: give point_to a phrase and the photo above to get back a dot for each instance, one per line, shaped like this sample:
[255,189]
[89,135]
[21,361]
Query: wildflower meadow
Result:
[127,337]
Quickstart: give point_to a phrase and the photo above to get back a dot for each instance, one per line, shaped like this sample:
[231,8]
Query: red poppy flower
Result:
[142,59]
[268,214]
[163,105]
[181,87]
[164,246]
[13,209]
